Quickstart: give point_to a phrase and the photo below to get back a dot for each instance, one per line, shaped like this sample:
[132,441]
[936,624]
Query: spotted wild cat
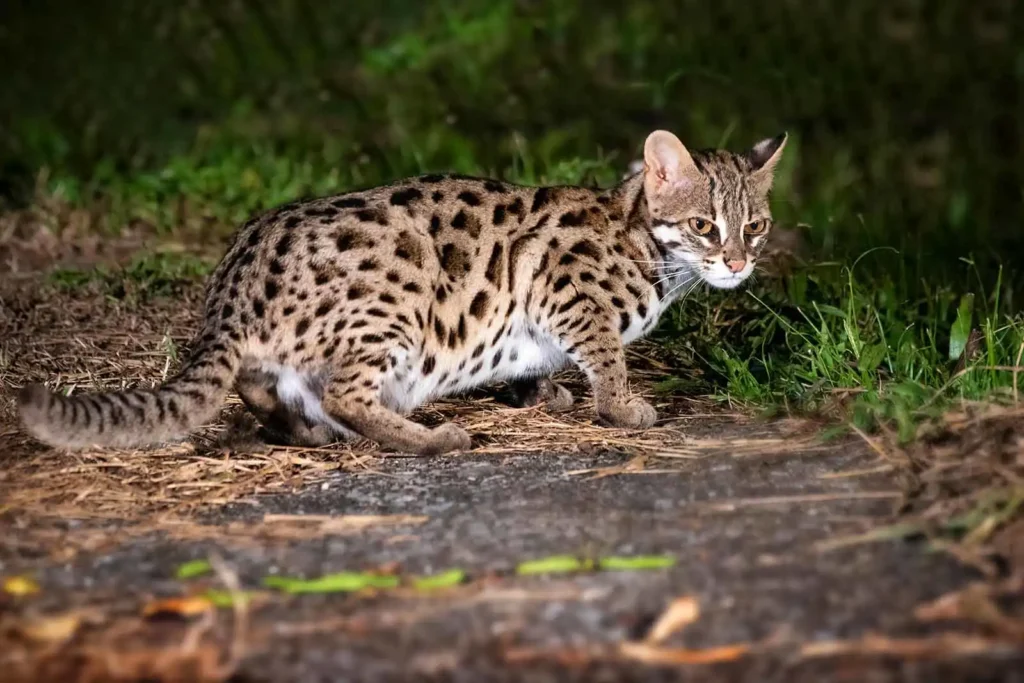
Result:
[336,316]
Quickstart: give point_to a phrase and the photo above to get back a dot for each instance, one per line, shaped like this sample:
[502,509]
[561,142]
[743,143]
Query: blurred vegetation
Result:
[905,152]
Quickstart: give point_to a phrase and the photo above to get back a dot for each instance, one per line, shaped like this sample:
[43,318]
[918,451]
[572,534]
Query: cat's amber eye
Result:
[700,225]
[757,227]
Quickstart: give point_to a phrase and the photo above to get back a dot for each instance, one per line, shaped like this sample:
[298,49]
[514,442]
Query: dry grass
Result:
[967,468]
[964,480]
[179,639]
[163,489]
[90,646]
[85,340]
[966,456]
[79,341]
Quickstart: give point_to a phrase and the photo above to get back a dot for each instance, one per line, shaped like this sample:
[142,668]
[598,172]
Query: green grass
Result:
[148,275]
[905,198]
[848,337]
[823,339]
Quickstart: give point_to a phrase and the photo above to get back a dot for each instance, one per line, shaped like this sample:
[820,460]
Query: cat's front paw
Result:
[634,413]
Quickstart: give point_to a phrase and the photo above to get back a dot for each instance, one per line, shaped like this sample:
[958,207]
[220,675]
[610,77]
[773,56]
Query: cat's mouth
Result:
[724,281]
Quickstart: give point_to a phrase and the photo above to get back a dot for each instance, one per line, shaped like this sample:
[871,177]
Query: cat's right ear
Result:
[766,154]
[667,163]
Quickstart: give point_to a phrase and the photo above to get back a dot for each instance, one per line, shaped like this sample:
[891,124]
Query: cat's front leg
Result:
[601,355]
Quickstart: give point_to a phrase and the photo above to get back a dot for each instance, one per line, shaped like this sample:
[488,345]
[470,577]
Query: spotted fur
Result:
[336,317]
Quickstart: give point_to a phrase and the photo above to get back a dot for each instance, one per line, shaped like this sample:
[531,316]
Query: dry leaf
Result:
[940,646]
[51,629]
[651,654]
[565,656]
[639,652]
[345,523]
[633,466]
[388,569]
[680,613]
[186,607]
[975,604]
[942,608]
[20,586]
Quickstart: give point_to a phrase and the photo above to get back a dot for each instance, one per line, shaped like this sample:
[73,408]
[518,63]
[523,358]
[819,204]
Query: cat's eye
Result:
[700,225]
[757,227]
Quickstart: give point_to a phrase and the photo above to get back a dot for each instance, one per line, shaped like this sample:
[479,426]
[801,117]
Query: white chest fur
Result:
[642,325]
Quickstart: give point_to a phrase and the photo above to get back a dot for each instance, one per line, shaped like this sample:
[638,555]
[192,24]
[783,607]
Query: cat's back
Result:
[439,208]
[318,265]
[415,229]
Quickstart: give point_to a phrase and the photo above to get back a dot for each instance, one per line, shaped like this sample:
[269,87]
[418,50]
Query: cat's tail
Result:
[136,417]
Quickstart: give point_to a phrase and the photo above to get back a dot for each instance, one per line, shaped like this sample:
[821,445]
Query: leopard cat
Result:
[333,318]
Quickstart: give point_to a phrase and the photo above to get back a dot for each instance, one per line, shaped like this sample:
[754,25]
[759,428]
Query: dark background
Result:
[905,114]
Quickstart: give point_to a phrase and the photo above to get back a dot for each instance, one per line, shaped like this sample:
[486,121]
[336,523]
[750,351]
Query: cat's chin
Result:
[719,282]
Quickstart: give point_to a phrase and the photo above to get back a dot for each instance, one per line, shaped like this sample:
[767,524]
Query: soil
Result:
[751,511]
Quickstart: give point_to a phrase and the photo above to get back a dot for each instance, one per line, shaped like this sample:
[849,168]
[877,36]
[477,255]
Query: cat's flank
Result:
[335,317]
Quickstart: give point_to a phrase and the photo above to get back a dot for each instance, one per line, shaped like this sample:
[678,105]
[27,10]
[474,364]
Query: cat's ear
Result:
[667,164]
[764,156]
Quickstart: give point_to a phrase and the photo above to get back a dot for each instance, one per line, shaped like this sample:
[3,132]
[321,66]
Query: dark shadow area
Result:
[905,114]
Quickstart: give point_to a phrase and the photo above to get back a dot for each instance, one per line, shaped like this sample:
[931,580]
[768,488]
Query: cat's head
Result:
[709,209]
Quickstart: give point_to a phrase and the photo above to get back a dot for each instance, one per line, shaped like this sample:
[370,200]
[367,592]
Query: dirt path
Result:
[745,511]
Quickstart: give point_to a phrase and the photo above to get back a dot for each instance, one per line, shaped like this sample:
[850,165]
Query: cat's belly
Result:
[524,355]
[519,354]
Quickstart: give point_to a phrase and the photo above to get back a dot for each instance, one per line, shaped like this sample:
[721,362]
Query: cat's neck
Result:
[629,200]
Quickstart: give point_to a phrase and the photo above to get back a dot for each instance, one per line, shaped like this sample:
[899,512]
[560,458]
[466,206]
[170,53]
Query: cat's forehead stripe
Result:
[730,200]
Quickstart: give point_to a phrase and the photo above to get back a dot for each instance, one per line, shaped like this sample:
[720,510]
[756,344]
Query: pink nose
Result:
[735,265]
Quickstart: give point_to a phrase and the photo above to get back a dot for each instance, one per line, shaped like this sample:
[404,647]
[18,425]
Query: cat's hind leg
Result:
[541,390]
[290,419]
[353,399]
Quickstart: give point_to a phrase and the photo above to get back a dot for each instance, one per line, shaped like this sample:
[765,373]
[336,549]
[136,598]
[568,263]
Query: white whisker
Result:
[669,276]
[696,283]
[651,263]
[695,278]
[674,274]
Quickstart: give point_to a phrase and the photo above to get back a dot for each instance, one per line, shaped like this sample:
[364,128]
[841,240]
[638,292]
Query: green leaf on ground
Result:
[637,562]
[192,569]
[219,598]
[961,330]
[563,564]
[452,577]
[342,582]
[556,564]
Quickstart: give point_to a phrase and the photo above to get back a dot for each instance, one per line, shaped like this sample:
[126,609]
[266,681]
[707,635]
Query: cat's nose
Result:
[735,265]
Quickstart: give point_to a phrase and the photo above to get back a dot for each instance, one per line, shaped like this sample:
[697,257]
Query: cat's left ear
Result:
[764,156]
[667,164]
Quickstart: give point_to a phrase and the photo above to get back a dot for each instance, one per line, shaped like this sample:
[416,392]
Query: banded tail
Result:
[136,417]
